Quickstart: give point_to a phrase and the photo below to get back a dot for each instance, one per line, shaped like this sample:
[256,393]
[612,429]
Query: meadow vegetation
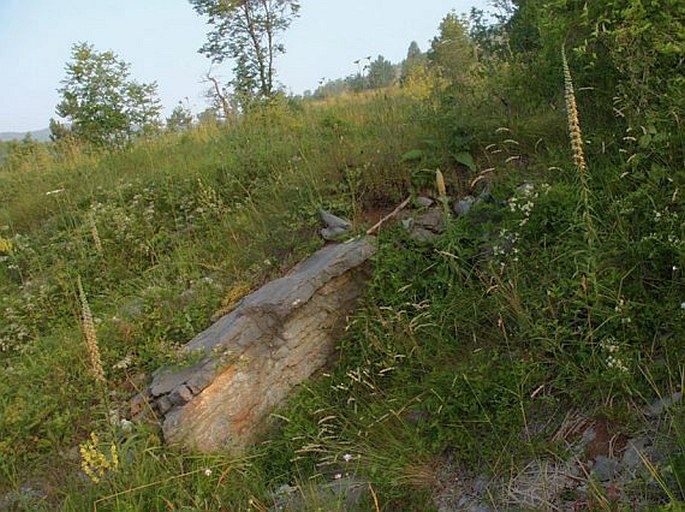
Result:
[564,297]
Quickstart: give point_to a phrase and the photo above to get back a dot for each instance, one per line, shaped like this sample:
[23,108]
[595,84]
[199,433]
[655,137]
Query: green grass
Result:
[475,347]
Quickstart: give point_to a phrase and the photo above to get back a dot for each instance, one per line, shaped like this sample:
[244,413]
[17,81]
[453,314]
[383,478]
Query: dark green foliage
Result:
[381,73]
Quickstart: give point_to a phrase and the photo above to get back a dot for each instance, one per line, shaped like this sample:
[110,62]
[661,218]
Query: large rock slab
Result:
[245,364]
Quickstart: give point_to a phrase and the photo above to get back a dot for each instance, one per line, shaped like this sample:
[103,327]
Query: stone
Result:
[433,220]
[245,364]
[335,226]
[333,221]
[463,206]
[348,491]
[525,188]
[335,233]
[424,202]
[634,453]
[660,405]
[605,468]
[422,235]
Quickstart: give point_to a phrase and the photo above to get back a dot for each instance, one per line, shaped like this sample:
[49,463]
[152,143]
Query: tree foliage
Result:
[382,73]
[627,54]
[452,51]
[247,32]
[181,118]
[415,57]
[100,101]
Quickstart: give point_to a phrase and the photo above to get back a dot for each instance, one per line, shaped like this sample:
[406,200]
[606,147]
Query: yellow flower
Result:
[5,246]
[94,462]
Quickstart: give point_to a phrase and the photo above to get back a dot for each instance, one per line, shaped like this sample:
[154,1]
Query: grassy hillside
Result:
[549,308]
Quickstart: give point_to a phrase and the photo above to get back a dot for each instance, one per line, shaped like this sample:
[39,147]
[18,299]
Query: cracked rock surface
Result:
[246,363]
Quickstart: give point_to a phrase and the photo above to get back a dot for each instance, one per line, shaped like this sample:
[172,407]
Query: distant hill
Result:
[39,135]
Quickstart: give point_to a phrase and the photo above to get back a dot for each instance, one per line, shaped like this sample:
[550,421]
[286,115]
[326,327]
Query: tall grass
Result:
[161,233]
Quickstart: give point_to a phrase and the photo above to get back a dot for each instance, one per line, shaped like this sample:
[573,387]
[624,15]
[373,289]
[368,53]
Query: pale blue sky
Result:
[160,39]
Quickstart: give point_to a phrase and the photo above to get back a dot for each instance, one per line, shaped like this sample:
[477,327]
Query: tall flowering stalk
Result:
[442,192]
[573,121]
[90,338]
[94,233]
[576,137]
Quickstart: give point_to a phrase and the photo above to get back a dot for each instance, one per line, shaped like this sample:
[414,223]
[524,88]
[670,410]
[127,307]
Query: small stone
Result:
[605,469]
[201,379]
[333,221]
[662,404]
[632,459]
[463,206]
[424,202]
[333,233]
[525,188]
[163,405]
[181,395]
[433,220]
[422,235]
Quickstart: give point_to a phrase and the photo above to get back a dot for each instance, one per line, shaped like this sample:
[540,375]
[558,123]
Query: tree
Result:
[246,31]
[208,117]
[101,102]
[381,73]
[414,59]
[181,118]
[452,51]
[220,98]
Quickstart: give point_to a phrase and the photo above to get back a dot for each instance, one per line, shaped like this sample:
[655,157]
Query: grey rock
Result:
[251,358]
[30,496]
[433,220]
[347,492]
[165,380]
[424,202]
[163,405]
[589,435]
[525,187]
[635,450]
[660,405]
[605,468]
[333,221]
[181,395]
[464,205]
[334,233]
[422,235]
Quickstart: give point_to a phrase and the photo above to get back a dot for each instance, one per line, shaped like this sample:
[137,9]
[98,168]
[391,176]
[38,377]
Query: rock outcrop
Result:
[245,364]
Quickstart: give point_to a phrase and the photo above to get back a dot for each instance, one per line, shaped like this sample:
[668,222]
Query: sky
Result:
[160,39]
